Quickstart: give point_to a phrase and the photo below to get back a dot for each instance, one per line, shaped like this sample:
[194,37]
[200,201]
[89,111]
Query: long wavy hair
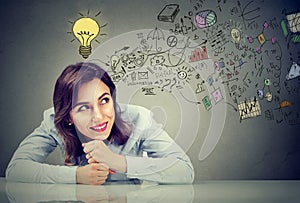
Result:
[65,93]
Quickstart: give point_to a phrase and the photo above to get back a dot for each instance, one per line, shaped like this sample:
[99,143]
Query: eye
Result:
[105,100]
[83,108]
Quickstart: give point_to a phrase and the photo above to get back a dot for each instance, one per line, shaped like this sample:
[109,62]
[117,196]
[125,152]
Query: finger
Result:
[88,156]
[89,146]
[102,173]
[92,145]
[98,180]
[104,165]
[92,160]
[101,180]
[100,166]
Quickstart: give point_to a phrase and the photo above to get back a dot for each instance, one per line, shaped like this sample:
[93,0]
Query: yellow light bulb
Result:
[85,30]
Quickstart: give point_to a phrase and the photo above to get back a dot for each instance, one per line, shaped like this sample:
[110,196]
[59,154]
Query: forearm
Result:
[162,170]
[119,164]
[30,171]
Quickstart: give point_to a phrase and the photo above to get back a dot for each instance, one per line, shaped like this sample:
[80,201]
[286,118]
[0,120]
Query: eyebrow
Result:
[82,103]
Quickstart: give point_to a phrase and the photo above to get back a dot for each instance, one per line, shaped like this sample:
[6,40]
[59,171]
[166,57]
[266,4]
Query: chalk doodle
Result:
[213,64]
[173,65]
[205,19]
[249,13]
[168,13]
[86,29]
[148,90]
[199,54]
[183,74]
[293,20]
[249,108]
[290,28]
[261,38]
[207,103]
[294,71]
[217,95]
[217,40]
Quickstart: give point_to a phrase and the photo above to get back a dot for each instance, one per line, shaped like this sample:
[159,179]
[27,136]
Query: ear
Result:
[70,121]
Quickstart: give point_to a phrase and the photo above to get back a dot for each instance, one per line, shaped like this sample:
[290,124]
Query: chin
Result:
[100,137]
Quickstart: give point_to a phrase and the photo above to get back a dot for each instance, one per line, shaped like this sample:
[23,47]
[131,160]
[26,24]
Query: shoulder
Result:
[48,120]
[49,126]
[139,116]
[49,113]
[48,117]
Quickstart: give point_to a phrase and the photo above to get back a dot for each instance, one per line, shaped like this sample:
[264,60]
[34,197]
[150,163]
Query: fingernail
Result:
[112,172]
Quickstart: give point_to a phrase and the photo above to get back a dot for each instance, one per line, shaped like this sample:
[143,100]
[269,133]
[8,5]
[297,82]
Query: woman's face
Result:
[93,113]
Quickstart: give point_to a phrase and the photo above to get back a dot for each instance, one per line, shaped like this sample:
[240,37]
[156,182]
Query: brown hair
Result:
[65,93]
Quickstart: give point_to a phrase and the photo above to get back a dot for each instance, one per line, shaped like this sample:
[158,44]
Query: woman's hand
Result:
[97,151]
[92,174]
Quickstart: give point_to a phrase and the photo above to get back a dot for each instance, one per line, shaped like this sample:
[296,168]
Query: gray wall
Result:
[35,46]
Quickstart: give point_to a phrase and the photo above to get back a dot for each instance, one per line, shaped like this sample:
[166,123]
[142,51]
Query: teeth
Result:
[100,127]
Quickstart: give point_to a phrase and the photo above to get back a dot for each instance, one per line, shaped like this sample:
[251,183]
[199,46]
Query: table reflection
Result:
[29,192]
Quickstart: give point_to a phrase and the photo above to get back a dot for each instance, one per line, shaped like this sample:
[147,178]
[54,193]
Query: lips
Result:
[100,128]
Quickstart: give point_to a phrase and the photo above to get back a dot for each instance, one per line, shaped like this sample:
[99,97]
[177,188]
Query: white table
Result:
[205,191]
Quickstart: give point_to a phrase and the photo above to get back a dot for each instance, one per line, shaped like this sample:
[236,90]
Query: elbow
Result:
[191,173]
[181,175]
[10,174]
[188,173]
[189,178]
[16,172]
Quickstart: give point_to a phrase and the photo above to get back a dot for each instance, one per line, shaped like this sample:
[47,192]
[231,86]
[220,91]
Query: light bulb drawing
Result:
[85,30]
[236,35]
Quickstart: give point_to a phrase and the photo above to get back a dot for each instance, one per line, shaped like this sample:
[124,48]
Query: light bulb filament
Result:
[85,37]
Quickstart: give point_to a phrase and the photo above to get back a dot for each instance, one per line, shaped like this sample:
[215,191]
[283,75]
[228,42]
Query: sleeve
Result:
[26,165]
[166,161]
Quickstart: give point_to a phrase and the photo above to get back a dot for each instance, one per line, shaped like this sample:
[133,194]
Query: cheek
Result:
[110,111]
[81,120]
[80,123]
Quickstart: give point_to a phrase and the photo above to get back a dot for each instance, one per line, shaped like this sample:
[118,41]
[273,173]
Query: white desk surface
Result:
[204,191]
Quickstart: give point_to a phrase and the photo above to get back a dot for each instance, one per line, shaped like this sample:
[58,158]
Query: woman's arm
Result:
[27,163]
[166,161]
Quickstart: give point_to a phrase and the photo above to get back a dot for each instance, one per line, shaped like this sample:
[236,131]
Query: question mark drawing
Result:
[169,82]
[175,81]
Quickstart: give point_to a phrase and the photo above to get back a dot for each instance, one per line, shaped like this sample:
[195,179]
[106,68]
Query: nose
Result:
[97,113]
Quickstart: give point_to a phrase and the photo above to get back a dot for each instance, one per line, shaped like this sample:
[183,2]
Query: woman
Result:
[102,141]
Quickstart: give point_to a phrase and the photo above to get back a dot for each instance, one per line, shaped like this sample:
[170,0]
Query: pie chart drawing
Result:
[205,19]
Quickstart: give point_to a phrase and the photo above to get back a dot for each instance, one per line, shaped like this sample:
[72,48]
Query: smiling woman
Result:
[93,113]
[101,140]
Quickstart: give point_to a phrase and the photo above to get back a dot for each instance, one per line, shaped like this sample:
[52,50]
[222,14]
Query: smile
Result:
[100,128]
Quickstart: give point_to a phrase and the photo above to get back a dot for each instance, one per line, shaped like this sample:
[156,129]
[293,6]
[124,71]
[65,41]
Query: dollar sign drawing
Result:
[145,45]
